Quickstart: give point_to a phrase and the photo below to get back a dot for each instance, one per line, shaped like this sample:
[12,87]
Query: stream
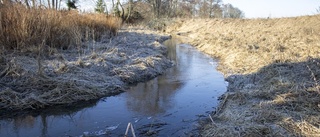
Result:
[168,105]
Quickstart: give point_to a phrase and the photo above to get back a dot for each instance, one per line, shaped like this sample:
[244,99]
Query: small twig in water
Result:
[132,130]
[211,119]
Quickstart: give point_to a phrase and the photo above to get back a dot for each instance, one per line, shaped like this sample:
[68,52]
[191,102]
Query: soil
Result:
[35,80]
[273,69]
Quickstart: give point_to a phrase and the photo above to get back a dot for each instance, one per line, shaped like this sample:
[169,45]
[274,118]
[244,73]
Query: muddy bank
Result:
[273,69]
[93,70]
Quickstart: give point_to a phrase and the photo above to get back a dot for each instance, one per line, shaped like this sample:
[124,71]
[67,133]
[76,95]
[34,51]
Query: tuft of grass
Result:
[22,28]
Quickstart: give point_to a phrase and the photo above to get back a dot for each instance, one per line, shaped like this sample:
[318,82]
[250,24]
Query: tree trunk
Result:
[27,3]
[122,14]
[53,2]
[57,4]
[210,8]
[106,7]
[130,8]
[34,4]
[49,5]
[157,6]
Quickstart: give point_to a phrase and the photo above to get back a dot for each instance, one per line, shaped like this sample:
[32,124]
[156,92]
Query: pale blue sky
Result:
[89,5]
[276,8]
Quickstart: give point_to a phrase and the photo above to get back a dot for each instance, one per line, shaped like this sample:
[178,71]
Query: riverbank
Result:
[93,70]
[272,66]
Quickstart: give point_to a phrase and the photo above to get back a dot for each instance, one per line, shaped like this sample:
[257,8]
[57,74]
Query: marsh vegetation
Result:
[272,66]
[53,57]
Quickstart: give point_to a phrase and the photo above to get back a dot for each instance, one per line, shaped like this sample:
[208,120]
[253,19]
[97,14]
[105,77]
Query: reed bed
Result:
[23,28]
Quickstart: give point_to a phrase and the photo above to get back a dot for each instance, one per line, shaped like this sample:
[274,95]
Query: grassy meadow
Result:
[273,70]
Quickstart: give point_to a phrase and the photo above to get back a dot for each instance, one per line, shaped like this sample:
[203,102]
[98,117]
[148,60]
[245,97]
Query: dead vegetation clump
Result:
[273,69]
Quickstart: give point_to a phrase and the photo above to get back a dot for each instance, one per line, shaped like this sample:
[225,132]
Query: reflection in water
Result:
[154,97]
[168,104]
[39,123]
[172,51]
[44,125]
[24,122]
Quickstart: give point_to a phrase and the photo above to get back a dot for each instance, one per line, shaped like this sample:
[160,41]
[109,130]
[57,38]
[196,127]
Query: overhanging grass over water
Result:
[101,69]
[272,66]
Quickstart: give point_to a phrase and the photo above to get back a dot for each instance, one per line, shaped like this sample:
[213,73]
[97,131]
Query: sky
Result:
[275,8]
[89,5]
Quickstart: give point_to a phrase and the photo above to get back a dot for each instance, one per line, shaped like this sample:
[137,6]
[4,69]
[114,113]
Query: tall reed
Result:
[21,27]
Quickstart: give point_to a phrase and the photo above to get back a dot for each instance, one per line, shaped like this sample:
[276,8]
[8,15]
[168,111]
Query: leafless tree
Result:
[157,5]
[204,8]
[232,12]
[188,8]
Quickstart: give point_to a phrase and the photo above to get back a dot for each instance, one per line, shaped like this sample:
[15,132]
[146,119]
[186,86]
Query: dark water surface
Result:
[169,105]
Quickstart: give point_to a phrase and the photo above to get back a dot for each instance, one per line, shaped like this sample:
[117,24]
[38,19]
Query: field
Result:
[273,70]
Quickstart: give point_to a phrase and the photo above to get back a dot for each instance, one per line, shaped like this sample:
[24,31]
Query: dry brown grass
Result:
[273,70]
[79,68]
[21,28]
[247,45]
[66,77]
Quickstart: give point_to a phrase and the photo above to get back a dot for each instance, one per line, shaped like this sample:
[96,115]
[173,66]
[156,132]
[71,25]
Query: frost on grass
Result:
[90,71]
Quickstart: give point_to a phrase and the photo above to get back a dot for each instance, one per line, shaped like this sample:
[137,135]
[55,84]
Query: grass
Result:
[273,70]
[65,77]
[22,28]
[39,32]
[248,45]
